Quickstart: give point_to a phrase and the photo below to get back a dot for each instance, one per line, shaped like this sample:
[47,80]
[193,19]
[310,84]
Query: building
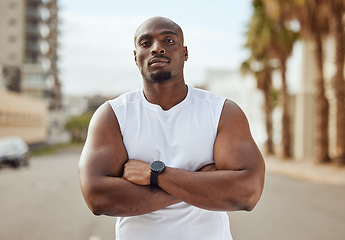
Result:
[243,91]
[12,42]
[30,90]
[29,48]
[301,82]
[22,116]
[304,114]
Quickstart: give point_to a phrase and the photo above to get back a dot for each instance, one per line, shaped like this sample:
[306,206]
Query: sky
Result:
[96,40]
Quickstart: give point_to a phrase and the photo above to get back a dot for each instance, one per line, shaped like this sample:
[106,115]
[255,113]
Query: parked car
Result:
[13,151]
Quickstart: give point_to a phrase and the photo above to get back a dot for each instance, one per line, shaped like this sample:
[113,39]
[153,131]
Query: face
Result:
[160,53]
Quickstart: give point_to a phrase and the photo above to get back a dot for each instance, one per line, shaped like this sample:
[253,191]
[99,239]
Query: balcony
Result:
[37,47]
[40,30]
[37,14]
[32,47]
[37,2]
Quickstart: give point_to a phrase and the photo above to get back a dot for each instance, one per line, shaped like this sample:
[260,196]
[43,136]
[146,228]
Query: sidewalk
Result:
[308,170]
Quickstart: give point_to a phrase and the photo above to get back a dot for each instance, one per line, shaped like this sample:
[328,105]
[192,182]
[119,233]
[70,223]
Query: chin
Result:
[160,76]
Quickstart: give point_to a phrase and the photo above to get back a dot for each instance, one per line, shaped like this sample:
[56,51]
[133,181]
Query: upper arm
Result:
[104,153]
[234,147]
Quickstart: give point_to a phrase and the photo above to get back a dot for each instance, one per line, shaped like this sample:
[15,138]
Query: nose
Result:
[157,48]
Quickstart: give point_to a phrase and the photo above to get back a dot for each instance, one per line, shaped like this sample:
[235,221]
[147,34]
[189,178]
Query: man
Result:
[169,160]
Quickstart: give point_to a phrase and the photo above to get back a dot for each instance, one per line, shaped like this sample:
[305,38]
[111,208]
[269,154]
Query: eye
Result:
[144,44]
[170,40]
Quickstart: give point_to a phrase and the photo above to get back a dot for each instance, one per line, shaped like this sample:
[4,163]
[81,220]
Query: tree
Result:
[267,39]
[337,27]
[282,42]
[258,63]
[313,16]
[78,125]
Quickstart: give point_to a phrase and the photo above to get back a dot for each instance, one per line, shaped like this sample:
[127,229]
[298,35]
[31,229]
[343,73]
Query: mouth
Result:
[158,61]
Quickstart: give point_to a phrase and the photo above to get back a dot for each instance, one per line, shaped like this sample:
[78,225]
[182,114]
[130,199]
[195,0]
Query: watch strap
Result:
[154,180]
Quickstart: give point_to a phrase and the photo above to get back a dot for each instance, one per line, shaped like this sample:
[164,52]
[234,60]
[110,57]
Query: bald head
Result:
[158,22]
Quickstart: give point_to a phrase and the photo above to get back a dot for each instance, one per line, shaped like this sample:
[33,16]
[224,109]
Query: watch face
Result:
[157,166]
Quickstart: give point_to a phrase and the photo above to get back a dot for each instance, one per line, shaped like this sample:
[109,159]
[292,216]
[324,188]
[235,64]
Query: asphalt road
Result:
[44,202]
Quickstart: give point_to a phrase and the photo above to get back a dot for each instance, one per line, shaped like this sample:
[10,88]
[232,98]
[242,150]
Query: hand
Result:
[137,172]
[208,168]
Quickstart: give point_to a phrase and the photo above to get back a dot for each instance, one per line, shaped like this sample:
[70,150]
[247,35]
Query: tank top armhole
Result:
[118,115]
[219,110]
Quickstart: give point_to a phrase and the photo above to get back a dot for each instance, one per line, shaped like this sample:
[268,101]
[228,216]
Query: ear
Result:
[185,53]
[135,57]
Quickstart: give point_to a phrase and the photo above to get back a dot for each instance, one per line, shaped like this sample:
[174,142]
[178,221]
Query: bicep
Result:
[234,147]
[104,153]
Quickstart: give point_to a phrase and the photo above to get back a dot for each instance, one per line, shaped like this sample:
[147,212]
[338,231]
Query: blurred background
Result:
[281,61]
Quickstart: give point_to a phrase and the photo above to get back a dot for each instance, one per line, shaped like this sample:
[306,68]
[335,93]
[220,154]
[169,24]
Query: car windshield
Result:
[7,145]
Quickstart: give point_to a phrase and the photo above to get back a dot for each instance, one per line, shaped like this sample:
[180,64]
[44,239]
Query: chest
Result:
[183,140]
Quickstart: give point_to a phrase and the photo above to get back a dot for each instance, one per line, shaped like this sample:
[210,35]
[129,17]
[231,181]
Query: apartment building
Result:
[29,48]
[12,41]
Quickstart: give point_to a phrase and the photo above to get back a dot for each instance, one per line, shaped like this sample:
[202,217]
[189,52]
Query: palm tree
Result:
[282,46]
[269,39]
[313,16]
[258,38]
[337,26]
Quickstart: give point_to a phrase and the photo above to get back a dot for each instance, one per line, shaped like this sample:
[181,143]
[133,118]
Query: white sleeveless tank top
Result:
[182,137]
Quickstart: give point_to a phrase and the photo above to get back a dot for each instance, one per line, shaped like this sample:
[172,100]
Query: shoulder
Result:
[233,118]
[123,99]
[209,100]
[204,95]
[102,120]
[106,116]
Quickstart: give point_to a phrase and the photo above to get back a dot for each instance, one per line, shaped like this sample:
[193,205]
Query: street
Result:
[44,202]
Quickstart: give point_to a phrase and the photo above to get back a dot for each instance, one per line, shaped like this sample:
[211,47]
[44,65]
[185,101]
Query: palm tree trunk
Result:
[286,138]
[322,106]
[267,85]
[338,80]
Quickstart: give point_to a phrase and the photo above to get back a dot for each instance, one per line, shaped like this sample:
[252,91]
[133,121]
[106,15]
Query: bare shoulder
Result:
[103,127]
[104,149]
[234,146]
[233,119]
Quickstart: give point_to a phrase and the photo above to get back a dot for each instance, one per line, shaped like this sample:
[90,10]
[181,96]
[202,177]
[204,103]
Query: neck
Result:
[165,94]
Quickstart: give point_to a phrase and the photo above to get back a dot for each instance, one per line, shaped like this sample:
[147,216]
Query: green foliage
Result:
[274,96]
[78,125]
[47,149]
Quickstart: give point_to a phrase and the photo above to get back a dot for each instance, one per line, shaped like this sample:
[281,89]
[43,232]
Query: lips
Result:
[159,61]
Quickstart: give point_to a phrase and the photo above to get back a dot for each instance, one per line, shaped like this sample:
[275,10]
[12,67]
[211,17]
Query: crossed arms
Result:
[114,185]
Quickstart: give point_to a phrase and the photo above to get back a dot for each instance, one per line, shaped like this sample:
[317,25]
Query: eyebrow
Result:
[168,32]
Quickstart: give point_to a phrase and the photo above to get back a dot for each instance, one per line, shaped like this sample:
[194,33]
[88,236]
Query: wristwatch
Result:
[156,168]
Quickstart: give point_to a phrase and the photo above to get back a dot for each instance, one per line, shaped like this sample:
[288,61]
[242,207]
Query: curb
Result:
[307,170]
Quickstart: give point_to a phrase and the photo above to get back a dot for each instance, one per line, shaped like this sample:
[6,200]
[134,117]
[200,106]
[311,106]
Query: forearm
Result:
[221,190]
[115,196]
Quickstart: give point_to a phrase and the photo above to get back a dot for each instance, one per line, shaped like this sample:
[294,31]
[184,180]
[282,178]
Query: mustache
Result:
[154,59]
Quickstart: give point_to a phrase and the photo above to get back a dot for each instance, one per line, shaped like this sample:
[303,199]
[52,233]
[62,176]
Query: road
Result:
[44,202]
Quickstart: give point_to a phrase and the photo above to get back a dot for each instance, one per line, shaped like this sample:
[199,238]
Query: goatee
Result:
[161,76]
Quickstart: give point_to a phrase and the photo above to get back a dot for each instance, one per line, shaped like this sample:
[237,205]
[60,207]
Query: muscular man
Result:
[169,160]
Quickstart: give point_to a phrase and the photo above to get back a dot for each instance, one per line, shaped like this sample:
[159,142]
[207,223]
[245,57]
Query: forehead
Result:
[158,27]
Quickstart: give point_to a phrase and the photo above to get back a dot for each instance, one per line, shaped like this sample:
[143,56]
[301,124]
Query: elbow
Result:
[250,205]
[102,205]
[254,191]
[250,198]
[249,202]
[96,206]
[96,209]
[253,198]
[96,202]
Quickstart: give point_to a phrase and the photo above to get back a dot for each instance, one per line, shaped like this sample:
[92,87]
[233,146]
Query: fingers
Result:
[137,172]
[207,168]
